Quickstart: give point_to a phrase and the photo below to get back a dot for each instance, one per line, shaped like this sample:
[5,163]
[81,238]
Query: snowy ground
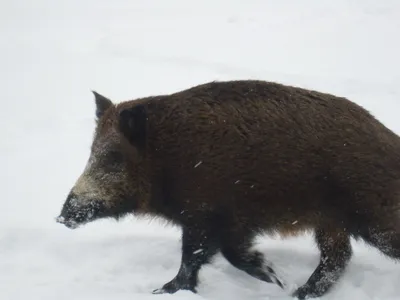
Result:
[52,53]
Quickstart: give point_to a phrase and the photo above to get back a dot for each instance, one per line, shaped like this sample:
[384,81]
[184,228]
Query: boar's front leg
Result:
[199,245]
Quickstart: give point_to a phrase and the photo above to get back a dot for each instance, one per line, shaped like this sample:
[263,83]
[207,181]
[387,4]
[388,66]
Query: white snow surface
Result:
[53,53]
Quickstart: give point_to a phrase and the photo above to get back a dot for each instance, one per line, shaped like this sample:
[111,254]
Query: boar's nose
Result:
[60,219]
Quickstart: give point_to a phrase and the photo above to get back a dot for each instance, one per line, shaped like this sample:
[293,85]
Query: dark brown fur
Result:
[229,160]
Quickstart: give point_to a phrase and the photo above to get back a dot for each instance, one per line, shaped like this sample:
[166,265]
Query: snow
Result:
[53,53]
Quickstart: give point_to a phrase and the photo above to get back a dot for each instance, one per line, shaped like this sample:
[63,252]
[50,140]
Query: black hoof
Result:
[306,292]
[174,286]
[160,291]
[279,282]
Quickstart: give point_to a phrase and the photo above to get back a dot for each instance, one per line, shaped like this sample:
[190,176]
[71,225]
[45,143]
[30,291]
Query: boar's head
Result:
[113,181]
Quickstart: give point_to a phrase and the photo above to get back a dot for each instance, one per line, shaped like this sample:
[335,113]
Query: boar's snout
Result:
[76,212]
[68,223]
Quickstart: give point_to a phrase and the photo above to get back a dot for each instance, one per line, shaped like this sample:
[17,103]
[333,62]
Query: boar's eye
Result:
[114,157]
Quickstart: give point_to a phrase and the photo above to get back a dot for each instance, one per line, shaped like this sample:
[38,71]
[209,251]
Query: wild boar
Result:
[227,161]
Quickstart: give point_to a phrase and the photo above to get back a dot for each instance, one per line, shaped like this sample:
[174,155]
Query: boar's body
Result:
[266,155]
[229,160]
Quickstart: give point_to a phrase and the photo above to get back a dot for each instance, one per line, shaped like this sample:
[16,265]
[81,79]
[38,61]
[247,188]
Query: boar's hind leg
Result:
[198,247]
[386,239]
[235,247]
[336,252]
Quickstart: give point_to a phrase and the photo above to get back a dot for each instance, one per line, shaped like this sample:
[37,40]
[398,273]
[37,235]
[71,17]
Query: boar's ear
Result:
[102,104]
[132,124]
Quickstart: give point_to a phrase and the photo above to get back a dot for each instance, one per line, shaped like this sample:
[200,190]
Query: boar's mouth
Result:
[76,213]
[68,223]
